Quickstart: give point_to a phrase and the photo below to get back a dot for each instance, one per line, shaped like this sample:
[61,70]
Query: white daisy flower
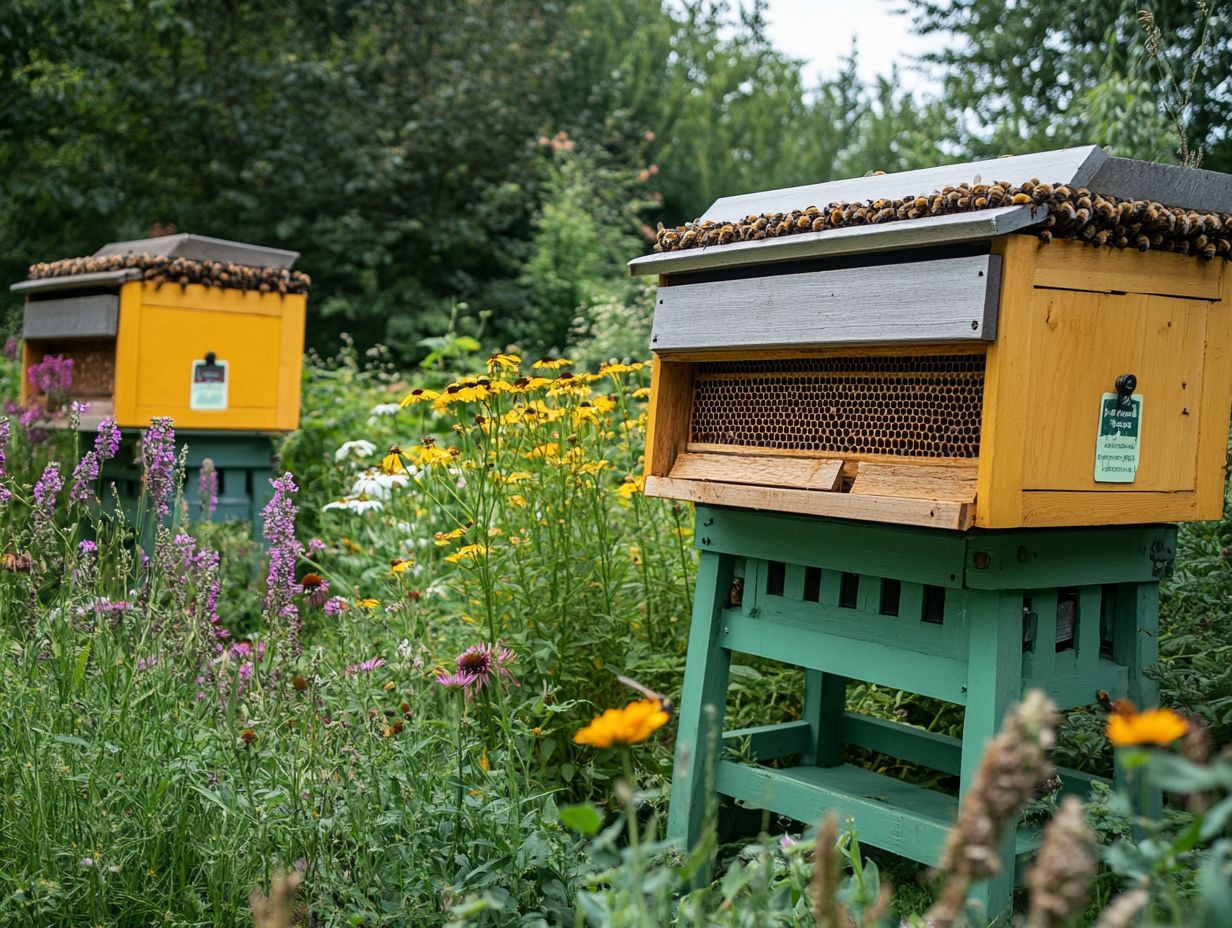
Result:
[354,449]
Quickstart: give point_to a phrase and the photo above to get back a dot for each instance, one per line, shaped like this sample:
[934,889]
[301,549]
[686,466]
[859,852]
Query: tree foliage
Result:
[399,144]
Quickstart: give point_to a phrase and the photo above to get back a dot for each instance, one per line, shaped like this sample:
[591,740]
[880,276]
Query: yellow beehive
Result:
[144,344]
[943,372]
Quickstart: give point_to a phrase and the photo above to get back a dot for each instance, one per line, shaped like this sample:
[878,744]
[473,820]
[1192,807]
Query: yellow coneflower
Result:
[615,369]
[419,395]
[470,552]
[368,603]
[517,501]
[392,462]
[444,538]
[432,456]
[503,362]
[631,487]
[641,393]
[551,364]
[631,725]
[514,478]
[548,451]
[400,566]
[1159,727]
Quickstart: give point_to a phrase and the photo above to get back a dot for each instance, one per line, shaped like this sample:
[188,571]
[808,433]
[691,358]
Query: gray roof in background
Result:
[201,248]
[1085,166]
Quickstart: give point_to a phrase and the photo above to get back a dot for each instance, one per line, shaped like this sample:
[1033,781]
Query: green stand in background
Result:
[972,618]
[244,463]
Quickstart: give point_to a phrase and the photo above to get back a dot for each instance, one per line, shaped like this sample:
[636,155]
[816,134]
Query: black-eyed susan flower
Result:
[471,552]
[443,539]
[551,364]
[418,395]
[400,566]
[503,362]
[367,603]
[1159,727]
[392,462]
[628,726]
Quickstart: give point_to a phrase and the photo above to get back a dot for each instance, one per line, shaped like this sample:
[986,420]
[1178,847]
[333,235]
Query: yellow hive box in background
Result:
[143,344]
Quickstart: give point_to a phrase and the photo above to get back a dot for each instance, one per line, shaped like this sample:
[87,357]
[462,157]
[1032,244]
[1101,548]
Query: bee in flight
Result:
[664,703]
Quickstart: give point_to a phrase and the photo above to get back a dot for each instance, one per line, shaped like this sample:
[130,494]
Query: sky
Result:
[820,32]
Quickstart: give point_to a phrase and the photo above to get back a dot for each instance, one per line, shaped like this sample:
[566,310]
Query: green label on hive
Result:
[1118,441]
[208,390]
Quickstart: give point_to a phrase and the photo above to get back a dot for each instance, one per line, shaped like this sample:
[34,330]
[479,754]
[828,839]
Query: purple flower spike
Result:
[280,584]
[158,456]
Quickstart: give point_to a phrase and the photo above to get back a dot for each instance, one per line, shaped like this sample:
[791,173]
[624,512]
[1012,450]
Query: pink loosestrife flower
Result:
[158,457]
[5,429]
[284,551]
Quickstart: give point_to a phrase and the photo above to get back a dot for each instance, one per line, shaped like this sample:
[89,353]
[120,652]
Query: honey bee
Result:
[664,703]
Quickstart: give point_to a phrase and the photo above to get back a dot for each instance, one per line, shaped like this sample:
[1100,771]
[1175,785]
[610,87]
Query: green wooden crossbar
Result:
[972,618]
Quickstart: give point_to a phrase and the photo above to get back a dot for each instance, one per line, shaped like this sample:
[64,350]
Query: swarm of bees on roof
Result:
[163,269]
[1074,213]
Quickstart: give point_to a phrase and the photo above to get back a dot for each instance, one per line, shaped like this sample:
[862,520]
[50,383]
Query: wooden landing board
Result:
[916,481]
[934,513]
[760,470]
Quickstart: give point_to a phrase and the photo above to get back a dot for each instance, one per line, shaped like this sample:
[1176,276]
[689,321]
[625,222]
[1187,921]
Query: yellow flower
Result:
[484,764]
[568,383]
[503,362]
[468,553]
[513,479]
[549,451]
[530,384]
[641,393]
[551,364]
[368,603]
[533,412]
[593,467]
[392,462]
[614,369]
[418,395]
[431,455]
[631,487]
[400,566]
[517,501]
[631,725]
[501,386]
[464,391]
[603,403]
[585,412]
[1154,726]
[444,538]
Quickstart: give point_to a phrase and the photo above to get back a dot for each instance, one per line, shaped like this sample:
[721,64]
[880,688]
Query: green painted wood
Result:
[907,633]
[994,683]
[899,817]
[700,726]
[914,745]
[918,555]
[793,583]
[1077,783]
[1079,687]
[1035,558]
[770,742]
[1136,645]
[825,698]
[1090,602]
[875,661]
[1041,661]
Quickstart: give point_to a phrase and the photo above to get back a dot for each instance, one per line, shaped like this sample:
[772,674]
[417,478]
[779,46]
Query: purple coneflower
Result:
[158,456]
[478,666]
[371,664]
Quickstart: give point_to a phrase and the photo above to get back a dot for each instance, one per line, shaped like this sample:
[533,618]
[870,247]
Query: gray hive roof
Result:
[1087,166]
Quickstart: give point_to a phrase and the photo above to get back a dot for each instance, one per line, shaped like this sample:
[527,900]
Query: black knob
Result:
[1126,384]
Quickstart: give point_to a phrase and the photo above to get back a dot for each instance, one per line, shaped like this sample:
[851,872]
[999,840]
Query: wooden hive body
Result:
[138,345]
[946,378]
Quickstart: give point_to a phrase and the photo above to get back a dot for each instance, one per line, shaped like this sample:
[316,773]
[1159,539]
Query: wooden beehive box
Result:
[951,370]
[205,331]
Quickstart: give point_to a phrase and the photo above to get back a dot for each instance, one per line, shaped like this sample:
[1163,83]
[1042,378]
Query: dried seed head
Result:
[1121,911]
[1062,873]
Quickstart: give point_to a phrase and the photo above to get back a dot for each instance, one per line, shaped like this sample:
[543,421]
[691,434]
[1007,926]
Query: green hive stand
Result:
[972,618]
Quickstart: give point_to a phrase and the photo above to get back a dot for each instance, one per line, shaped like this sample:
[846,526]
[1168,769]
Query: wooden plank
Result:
[890,236]
[1008,377]
[77,281]
[1078,266]
[769,742]
[671,408]
[822,351]
[1097,507]
[128,341]
[935,558]
[797,640]
[906,742]
[701,447]
[760,470]
[895,816]
[1088,340]
[916,481]
[1038,559]
[934,513]
[951,299]
[1076,166]
[1216,397]
[72,317]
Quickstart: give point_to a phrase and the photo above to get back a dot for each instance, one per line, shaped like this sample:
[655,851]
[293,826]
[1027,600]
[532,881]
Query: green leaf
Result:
[584,818]
[79,667]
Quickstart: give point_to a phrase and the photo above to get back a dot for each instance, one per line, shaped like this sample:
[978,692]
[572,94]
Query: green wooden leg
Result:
[825,698]
[994,683]
[699,737]
[1135,644]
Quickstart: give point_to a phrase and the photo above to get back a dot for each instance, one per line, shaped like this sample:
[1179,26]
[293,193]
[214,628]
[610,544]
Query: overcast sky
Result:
[820,32]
